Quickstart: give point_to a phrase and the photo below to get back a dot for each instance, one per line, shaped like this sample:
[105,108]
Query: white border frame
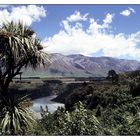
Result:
[69,1]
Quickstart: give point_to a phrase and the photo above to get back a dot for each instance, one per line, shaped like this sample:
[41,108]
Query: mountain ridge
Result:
[77,65]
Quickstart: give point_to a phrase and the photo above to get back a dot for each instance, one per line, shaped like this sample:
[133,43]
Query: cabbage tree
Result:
[19,48]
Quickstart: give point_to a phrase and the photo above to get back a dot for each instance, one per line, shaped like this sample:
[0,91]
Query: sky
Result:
[91,30]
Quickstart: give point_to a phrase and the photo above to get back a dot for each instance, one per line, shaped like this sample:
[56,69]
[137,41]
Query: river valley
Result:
[43,102]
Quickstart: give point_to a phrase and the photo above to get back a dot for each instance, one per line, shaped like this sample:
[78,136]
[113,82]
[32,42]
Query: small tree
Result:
[113,76]
[19,48]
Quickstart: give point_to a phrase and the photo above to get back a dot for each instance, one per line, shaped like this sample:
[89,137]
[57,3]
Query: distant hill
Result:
[77,65]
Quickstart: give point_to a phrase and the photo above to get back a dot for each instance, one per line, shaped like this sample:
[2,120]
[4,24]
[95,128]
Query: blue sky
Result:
[92,30]
[56,13]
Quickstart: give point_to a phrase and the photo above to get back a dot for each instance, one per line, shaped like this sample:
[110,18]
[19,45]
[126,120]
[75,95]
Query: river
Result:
[52,106]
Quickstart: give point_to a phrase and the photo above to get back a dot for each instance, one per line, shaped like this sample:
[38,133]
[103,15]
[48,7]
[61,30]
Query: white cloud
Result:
[108,19]
[27,14]
[132,10]
[74,39]
[128,12]
[77,17]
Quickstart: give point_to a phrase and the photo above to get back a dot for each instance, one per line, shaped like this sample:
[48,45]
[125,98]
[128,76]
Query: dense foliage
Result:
[124,120]
[104,109]
[80,121]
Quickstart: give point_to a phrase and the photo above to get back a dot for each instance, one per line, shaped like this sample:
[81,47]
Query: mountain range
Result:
[78,65]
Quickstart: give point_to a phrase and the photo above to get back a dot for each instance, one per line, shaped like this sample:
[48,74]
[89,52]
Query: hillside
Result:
[77,65]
